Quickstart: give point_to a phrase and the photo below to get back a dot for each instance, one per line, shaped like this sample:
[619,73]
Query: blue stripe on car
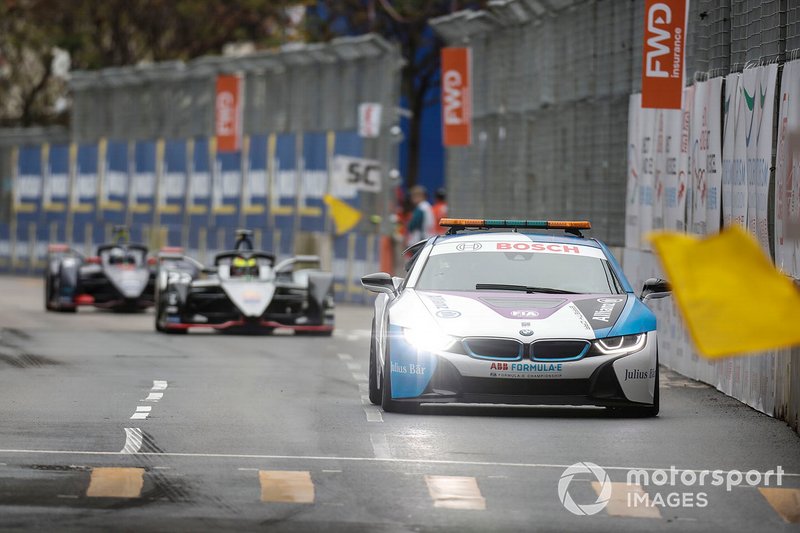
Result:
[411,369]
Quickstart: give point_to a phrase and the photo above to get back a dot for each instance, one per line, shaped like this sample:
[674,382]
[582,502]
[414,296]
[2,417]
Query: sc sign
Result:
[356,173]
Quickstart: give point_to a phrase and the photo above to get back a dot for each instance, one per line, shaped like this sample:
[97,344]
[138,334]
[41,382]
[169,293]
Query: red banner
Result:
[228,104]
[663,53]
[456,96]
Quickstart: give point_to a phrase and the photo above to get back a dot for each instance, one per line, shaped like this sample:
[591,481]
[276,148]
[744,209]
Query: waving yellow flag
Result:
[344,217]
[732,298]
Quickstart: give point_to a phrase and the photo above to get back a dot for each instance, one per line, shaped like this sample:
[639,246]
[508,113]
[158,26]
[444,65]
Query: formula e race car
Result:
[494,313]
[245,290]
[120,276]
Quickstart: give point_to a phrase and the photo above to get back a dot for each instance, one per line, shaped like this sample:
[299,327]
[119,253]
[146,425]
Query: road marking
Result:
[332,471]
[354,366]
[133,440]
[622,494]
[352,337]
[345,356]
[154,397]
[249,469]
[290,486]
[139,416]
[372,411]
[67,496]
[380,446]
[367,460]
[455,492]
[159,385]
[786,502]
[162,468]
[116,483]
[360,376]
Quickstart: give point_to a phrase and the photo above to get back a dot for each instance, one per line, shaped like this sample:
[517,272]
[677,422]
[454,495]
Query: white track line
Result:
[139,416]
[344,356]
[133,440]
[159,385]
[368,460]
[154,397]
[380,446]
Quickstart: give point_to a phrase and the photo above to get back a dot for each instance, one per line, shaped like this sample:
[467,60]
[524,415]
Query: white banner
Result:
[647,130]
[787,173]
[760,165]
[667,167]
[369,120]
[714,156]
[699,153]
[632,230]
[739,190]
[357,173]
[684,159]
[729,129]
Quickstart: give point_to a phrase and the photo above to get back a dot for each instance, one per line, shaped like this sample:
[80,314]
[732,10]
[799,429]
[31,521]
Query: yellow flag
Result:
[732,298]
[344,217]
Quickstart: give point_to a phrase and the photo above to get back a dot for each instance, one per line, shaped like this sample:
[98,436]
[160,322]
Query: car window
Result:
[462,271]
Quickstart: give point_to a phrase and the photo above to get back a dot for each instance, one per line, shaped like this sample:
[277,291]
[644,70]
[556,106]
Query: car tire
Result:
[387,403]
[160,320]
[52,287]
[374,386]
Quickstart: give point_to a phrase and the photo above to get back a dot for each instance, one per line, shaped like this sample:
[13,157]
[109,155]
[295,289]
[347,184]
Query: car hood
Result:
[522,316]
[130,282]
[251,296]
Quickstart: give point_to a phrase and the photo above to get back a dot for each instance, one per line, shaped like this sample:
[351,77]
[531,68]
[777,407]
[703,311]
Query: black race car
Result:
[245,290]
[120,276]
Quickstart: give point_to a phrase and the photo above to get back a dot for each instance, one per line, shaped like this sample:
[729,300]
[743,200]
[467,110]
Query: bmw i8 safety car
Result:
[120,276]
[245,290]
[493,312]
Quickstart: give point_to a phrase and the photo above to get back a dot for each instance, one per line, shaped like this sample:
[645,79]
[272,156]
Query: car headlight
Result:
[428,339]
[624,345]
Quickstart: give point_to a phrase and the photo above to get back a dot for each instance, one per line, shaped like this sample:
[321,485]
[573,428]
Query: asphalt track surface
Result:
[107,425]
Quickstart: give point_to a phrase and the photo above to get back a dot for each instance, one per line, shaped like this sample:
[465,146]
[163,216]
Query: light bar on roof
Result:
[514,224]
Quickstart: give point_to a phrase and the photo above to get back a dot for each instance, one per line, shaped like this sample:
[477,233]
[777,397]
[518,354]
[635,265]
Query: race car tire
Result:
[161,319]
[374,388]
[387,403]
[48,290]
[52,287]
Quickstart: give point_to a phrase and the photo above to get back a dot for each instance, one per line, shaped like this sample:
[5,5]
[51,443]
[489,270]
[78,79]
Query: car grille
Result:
[493,348]
[558,350]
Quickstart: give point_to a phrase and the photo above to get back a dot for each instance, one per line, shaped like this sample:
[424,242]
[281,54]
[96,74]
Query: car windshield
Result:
[517,271]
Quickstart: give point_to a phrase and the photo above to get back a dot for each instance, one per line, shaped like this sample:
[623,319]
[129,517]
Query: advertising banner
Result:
[27,179]
[632,231]
[143,181]
[284,174]
[360,174]
[713,167]
[369,120]
[84,192]
[174,170]
[706,157]
[56,177]
[663,53]
[457,96]
[113,183]
[739,192]
[684,160]
[228,113]
[647,131]
[199,188]
[758,166]
[787,173]
[672,152]
[254,192]
[227,178]
[730,106]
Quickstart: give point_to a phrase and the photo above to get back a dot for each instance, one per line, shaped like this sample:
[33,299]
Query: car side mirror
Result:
[655,288]
[379,282]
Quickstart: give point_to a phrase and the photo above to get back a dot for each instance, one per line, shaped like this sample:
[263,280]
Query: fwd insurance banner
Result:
[757,106]
[787,173]
[706,157]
